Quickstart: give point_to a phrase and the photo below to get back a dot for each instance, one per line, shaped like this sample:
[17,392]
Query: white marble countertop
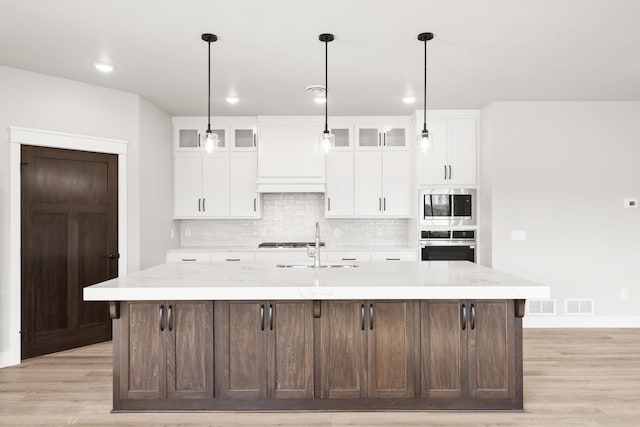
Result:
[332,248]
[370,280]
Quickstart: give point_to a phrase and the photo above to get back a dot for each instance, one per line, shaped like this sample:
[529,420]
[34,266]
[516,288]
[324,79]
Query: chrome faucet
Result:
[316,253]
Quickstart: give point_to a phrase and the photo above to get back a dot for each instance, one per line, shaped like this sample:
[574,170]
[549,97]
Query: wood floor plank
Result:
[572,377]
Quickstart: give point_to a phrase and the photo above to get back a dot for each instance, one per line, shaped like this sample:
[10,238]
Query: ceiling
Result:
[268,51]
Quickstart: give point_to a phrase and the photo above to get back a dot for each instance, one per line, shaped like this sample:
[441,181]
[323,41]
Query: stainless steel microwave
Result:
[448,206]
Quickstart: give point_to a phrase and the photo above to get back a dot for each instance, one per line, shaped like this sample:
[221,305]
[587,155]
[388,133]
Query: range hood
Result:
[291,185]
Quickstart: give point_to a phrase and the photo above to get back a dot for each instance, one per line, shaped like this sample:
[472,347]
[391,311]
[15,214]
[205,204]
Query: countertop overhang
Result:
[370,280]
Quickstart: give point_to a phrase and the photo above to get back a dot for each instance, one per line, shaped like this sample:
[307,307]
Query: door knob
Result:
[114,255]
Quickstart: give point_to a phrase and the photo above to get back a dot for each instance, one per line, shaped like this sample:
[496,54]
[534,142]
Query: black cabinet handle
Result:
[254,204]
[204,209]
[473,316]
[160,318]
[188,259]
[169,317]
[328,203]
[380,203]
[384,203]
[199,205]
[254,139]
[232,259]
[262,317]
[384,136]
[445,171]
[348,259]
[271,317]
[449,171]
[464,317]
[362,316]
[393,259]
[371,316]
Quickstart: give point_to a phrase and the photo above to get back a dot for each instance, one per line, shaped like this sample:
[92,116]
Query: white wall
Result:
[44,102]
[560,171]
[156,184]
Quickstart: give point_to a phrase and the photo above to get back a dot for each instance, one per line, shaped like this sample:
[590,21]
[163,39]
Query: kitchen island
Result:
[379,336]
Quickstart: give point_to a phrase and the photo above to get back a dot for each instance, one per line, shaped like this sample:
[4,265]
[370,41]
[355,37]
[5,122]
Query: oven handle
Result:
[470,243]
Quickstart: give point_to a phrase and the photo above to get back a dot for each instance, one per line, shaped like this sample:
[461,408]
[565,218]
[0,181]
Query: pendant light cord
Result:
[209,95]
[425,87]
[326,86]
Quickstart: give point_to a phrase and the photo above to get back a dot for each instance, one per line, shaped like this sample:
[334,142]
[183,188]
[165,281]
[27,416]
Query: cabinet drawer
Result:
[201,257]
[232,256]
[393,256]
[348,256]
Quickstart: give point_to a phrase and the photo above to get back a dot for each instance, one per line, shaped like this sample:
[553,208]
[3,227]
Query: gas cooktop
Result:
[286,245]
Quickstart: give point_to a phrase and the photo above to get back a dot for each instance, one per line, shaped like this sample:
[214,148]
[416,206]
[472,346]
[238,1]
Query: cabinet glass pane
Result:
[222,142]
[188,138]
[396,137]
[341,137]
[368,137]
[244,138]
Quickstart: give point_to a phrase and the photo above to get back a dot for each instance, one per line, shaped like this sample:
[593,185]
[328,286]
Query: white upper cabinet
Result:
[396,183]
[243,196]
[451,158]
[187,185]
[218,184]
[368,184]
[340,186]
[382,136]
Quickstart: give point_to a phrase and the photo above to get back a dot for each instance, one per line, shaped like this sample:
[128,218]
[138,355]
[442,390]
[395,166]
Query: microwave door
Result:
[462,206]
[441,206]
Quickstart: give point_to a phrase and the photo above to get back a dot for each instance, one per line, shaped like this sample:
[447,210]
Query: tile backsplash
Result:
[292,217]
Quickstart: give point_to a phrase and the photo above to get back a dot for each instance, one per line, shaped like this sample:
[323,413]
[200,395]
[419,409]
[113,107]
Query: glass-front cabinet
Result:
[191,138]
[386,137]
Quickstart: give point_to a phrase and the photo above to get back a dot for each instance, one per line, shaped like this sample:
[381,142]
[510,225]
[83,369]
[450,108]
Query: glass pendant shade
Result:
[327,141]
[211,141]
[425,141]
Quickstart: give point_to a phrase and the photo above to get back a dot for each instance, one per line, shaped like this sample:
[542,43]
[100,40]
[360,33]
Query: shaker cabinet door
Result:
[443,351]
[290,349]
[190,350]
[187,184]
[142,351]
[240,349]
[343,350]
[391,346]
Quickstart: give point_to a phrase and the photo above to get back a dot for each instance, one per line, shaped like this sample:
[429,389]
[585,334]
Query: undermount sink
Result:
[311,266]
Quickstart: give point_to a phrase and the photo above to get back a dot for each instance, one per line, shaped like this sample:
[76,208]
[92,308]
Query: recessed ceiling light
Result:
[409,99]
[103,67]
[318,93]
[232,99]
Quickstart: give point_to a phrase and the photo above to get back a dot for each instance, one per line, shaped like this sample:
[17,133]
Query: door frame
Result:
[19,136]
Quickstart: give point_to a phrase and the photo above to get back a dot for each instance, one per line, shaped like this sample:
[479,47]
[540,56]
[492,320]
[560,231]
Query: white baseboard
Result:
[8,359]
[530,321]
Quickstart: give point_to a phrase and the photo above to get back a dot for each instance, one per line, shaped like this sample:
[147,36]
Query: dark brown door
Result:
[391,346]
[491,349]
[69,230]
[143,350]
[444,349]
[190,350]
[343,350]
[240,342]
[290,349]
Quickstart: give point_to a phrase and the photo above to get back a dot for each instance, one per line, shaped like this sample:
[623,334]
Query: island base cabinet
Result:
[367,349]
[264,349]
[164,350]
[471,350]
[348,355]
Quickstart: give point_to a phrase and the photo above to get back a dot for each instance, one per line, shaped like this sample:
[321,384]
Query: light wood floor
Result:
[572,377]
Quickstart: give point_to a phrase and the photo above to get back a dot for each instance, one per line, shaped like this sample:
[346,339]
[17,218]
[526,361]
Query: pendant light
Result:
[328,139]
[211,139]
[424,135]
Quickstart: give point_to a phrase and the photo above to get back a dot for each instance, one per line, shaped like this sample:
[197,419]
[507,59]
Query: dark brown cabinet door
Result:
[343,349]
[69,228]
[189,328]
[290,349]
[391,346]
[240,342]
[443,351]
[491,349]
[142,351]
